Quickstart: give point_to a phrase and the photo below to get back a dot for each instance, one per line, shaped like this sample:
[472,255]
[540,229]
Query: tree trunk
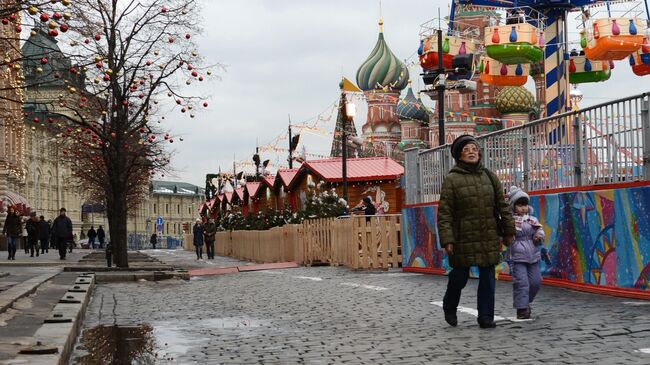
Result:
[117,215]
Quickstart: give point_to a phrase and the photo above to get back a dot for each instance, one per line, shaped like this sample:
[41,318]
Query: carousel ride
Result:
[527,37]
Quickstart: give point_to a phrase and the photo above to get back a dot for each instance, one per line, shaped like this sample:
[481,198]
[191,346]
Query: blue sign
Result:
[159,221]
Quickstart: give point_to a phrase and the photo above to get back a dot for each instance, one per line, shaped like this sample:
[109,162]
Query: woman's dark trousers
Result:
[486,284]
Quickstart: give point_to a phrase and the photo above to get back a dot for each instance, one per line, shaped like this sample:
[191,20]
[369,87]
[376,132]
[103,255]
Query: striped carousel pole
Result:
[556,73]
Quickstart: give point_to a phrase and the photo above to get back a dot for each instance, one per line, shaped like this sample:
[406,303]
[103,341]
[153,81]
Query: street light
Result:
[349,112]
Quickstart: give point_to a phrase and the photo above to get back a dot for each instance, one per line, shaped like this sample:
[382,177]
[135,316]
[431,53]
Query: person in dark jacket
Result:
[368,208]
[92,234]
[33,232]
[52,238]
[197,230]
[467,228]
[13,229]
[209,231]
[44,235]
[153,240]
[62,231]
[101,236]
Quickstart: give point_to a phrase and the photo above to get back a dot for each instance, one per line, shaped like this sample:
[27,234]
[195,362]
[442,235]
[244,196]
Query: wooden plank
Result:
[374,243]
[384,243]
[393,224]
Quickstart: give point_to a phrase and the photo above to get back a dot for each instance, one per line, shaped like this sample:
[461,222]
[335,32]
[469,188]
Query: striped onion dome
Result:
[411,108]
[382,69]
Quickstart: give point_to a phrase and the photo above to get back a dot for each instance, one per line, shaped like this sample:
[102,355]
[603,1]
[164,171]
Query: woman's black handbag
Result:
[497,214]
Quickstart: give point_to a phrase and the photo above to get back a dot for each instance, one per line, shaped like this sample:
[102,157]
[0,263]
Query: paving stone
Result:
[283,316]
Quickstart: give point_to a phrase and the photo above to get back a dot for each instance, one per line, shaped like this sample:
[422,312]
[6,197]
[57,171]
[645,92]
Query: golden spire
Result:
[381,22]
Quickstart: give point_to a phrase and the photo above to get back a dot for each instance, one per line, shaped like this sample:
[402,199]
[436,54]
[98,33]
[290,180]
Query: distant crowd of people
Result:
[39,236]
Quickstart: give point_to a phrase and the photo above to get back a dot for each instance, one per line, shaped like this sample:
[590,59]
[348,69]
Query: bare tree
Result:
[130,62]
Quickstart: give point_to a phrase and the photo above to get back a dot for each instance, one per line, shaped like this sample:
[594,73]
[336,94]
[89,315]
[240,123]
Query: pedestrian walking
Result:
[197,230]
[12,228]
[52,237]
[101,236]
[92,234]
[33,232]
[44,235]
[153,240]
[209,232]
[23,238]
[524,253]
[62,231]
[471,204]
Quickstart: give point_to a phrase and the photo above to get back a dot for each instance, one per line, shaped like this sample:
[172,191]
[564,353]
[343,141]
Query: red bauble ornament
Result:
[43,61]
[171,39]
[64,28]
[5,21]
[18,29]
[36,120]
[187,36]
[97,37]
[44,17]
[195,74]
[57,15]
[50,120]
[86,40]
[148,62]
[141,95]
[205,104]
[53,32]
[113,135]
[200,78]
[141,130]
[171,141]
[183,110]
[107,78]
[178,101]
[12,17]
[164,9]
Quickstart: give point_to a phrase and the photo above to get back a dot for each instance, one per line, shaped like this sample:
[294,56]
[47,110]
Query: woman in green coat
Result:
[468,230]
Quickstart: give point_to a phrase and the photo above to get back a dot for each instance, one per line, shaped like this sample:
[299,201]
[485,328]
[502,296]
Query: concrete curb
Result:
[35,264]
[61,329]
[114,277]
[27,287]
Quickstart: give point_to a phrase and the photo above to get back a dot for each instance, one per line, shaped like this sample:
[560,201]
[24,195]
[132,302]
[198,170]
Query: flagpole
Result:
[290,152]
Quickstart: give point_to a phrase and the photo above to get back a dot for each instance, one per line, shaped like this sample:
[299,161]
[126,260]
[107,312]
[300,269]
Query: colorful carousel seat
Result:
[496,73]
[640,60]
[613,38]
[514,43]
[451,46]
[583,70]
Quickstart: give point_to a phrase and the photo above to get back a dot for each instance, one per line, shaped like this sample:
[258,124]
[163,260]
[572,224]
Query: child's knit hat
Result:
[515,194]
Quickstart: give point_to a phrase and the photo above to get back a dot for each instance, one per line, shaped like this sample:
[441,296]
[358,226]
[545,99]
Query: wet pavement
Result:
[331,315]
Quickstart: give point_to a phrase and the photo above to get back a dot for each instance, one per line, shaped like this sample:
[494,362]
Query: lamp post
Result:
[348,112]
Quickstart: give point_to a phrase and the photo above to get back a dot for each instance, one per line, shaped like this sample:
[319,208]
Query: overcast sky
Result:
[287,57]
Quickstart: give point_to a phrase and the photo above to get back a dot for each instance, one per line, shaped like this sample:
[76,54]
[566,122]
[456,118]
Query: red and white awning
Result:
[18,201]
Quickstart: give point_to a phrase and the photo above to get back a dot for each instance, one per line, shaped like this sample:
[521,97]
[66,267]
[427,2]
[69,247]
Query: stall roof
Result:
[253,188]
[358,169]
[287,176]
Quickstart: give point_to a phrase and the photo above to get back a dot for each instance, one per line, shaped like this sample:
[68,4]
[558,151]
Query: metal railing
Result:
[604,143]
[140,241]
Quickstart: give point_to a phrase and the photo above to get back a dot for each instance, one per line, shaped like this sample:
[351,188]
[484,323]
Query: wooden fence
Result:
[351,241]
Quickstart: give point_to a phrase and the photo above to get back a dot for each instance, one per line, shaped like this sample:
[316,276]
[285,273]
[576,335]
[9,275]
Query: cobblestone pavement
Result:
[331,315]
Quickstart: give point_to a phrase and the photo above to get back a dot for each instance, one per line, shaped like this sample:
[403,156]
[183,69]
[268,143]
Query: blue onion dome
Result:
[382,69]
[411,108]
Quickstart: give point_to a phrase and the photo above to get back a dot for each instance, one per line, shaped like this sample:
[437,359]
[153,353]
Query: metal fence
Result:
[140,241]
[605,143]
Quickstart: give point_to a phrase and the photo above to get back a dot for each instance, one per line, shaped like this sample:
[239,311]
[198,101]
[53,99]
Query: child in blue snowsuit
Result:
[524,253]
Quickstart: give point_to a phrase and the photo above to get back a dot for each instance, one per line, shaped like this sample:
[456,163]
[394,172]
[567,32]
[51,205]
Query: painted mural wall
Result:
[599,237]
